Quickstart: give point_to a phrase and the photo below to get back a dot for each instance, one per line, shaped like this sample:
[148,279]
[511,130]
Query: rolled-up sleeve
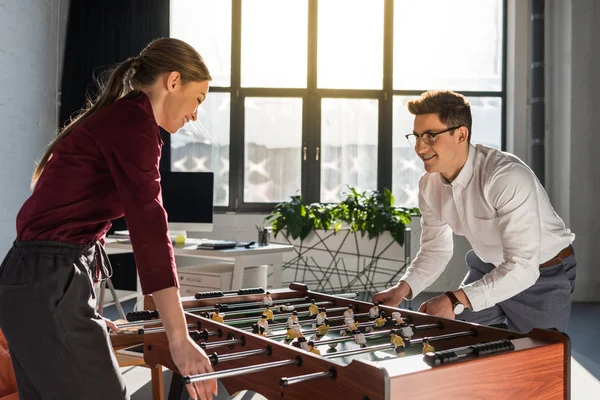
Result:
[132,153]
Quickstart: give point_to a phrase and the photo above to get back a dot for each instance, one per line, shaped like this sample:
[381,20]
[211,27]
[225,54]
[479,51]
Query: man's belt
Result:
[564,253]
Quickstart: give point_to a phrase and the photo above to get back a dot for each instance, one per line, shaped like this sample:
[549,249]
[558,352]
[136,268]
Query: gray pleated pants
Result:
[59,345]
[546,304]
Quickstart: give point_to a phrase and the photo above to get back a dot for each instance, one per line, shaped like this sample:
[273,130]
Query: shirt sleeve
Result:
[512,192]
[436,248]
[133,154]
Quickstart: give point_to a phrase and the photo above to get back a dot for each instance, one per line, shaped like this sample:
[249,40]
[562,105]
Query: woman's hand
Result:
[113,327]
[190,359]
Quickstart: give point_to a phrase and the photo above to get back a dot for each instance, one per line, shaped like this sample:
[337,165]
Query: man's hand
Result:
[190,359]
[441,306]
[393,296]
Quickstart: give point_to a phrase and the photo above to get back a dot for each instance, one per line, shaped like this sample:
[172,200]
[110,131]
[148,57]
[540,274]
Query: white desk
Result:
[271,254]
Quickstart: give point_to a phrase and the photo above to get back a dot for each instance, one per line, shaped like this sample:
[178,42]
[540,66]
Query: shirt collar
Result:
[466,173]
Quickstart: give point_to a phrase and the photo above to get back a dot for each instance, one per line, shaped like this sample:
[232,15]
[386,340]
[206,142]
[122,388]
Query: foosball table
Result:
[298,344]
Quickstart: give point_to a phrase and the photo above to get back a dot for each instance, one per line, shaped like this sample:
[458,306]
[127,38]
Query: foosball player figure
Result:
[216,316]
[269,313]
[293,319]
[268,300]
[286,307]
[313,309]
[321,316]
[396,316]
[359,338]
[312,348]
[292,333]
[406,330]
[301,343]
[398,343]
[351,326]
[349,314]
[427,348]
[381,320]
[374,311]
[263,325]
[322,329]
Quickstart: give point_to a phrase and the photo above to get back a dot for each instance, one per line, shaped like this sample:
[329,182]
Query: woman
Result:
[103,165]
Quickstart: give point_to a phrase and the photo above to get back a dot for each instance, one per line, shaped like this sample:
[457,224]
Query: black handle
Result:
[218,293]
[144,315]
[446,356]
[199,335]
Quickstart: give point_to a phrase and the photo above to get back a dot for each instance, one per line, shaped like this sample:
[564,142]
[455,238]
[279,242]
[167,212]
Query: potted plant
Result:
[370,213]
[324,254]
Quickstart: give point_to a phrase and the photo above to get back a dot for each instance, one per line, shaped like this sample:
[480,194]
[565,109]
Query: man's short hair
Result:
[453,109]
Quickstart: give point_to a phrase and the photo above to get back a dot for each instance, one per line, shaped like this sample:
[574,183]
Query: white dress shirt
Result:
[498,204]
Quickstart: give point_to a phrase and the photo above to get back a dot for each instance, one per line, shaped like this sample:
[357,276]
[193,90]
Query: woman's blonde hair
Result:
[160,56]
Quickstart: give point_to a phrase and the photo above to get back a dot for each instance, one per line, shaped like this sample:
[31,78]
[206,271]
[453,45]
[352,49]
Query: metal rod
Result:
[214,345]
[249,369]
[443,337]
[239,306]
[280,316]
[215,358]
[332,329]
[308,377]
[342,339]
[262,310]
[140,323]
[158,330]
[360,350]
[425,326]
[312,321]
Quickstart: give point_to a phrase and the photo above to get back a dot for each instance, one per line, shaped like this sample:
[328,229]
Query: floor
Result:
[584,331]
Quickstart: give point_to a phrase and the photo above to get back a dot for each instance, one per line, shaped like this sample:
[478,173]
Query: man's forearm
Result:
[170,310]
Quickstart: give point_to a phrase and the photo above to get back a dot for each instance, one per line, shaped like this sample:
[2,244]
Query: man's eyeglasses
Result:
[428,137]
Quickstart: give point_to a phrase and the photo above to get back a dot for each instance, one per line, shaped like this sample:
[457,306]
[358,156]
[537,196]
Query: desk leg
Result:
[277,270]
[158,385]
[238,273]
[177,390]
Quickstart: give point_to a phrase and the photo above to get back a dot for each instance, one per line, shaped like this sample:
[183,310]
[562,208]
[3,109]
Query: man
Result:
[522,266]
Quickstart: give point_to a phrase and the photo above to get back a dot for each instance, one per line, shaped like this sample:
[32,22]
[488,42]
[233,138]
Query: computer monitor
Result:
[188,200]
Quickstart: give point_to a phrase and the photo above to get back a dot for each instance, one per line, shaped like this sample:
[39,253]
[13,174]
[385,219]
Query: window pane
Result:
[458,47]
[203,145]
[349,146]
[350,44]
[408,167]
[274,43]
[206,25]
[272,151]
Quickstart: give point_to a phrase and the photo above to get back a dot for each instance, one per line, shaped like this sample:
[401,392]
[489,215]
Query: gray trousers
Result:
[59,345]
[546,304]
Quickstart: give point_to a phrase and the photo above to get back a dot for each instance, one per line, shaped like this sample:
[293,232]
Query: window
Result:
[349,142]
[272,151]
[309,96]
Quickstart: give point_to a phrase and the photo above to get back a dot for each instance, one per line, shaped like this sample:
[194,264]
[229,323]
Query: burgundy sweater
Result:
[106,168]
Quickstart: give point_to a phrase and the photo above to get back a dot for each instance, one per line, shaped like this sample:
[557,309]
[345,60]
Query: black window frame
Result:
[311,103]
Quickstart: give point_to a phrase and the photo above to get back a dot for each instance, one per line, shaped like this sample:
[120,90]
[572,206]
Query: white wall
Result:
[31,41]
[572,169]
